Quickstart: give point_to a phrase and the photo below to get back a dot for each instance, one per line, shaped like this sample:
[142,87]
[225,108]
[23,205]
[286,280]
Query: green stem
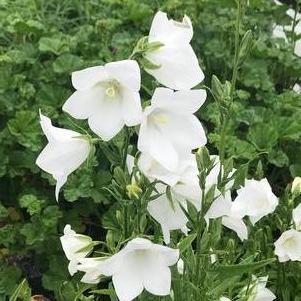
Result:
[225,119]
[198,242]
[125,148]
[294,25]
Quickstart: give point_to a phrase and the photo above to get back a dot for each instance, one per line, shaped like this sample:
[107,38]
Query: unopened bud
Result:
[133,191]
[296,186]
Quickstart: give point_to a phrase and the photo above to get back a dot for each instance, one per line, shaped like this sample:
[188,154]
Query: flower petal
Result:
[170,31]
[127,72]
[179,67]
[158,146]
[157,279]
[237,225]
[127,282]
[131,107]
[107,122]
[87,78]
[83,104]
[181,102]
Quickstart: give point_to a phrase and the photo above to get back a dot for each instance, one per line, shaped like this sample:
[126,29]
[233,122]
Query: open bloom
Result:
[255,199]
[140,265]
[169,128]
[169,214]
[288,246]
[222,207]
[257,291]
[76,247]
[65,152]
[184,181]
[297,217]
[178,66]
[108,96]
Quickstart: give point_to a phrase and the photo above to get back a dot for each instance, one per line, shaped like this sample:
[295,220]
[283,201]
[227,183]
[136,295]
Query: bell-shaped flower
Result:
[76,247]
[177,65]
[297,217]
[184,181]
[65,152]
[224,299]
[92,267]
[168,213]
[169,129]
[257,291]
[108,96]
[140,265]
[222,207]
[256,199]
[288,246]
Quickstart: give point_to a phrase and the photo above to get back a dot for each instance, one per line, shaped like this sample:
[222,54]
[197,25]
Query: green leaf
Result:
[185,243]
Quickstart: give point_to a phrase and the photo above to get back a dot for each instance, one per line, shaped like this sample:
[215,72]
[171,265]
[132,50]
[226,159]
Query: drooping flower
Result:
[297,217]
[76,247]
[257,291]
[140,265]
[222,207]
[169,129]
[169,214]
[108,96]
[256,199]
[184,181]
[178,66]
[288,246]
[65,152]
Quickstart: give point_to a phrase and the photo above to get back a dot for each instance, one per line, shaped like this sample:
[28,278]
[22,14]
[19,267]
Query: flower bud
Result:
[133,191]
[296,186]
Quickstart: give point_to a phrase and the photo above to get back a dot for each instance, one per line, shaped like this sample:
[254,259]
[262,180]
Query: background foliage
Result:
[42,42]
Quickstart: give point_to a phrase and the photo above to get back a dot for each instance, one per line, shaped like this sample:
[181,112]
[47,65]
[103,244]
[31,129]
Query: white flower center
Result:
[159,118]
[112,89]
[290,243]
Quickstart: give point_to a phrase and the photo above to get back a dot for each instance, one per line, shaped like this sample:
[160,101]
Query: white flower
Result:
[257,291]
[92,268]
[291,13]
[297,50]
[108,96]
[184,181]
[288,246]
[169,128]
[180,266]
[222,207]
[297,217]
[168,213]
[255,199]
[277,2]
[140,265]
[278,32]
[224,299]
[178,65]
[65,152]
[297,88]
[76,247]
